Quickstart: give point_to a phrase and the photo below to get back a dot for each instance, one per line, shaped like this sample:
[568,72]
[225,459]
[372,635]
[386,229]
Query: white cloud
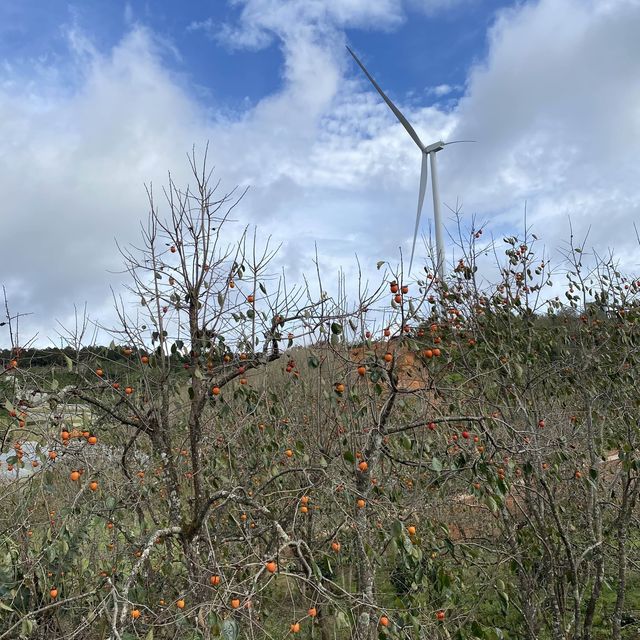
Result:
[440,90]
[72,169]
[556,108]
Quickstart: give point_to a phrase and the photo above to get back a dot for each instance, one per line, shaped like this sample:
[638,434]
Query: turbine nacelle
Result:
[436,146]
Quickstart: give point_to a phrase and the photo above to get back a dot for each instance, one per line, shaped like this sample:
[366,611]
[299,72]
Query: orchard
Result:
[446,460]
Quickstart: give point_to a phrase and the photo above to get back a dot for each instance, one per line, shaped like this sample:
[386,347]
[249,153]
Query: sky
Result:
[99,98]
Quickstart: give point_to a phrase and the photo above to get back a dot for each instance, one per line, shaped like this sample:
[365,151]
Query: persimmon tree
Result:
[248,458]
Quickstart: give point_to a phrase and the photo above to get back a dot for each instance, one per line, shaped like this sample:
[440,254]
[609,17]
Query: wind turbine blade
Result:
[458,142]
[405,123]
[423,187]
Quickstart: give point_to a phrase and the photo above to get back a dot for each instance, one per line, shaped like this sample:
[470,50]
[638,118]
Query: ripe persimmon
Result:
[99,373]
[235,603]
[361,503]
[312,612]
[180,604]
[335,546]
[388,357]
[128,390]
[135,613]
[362,370]
[363,466]
[384,621]
[272,566]
[53,593]
[92,439]
[295,627]
[75,475]
[214,580]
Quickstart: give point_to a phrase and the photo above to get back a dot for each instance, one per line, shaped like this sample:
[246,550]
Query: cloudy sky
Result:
[98,98]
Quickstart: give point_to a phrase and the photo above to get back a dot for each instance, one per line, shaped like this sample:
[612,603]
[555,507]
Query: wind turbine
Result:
[428,153]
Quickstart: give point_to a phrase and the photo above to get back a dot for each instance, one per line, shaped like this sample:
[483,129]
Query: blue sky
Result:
[98,98]
[418,50]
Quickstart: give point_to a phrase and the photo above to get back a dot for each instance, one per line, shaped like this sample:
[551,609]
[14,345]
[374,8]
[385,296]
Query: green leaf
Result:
[229,629]
[349,457]
[26,627]
[149,635]
[436,465]
[342,622]
[69,362]
[336,328]
[262,288]
[4,607]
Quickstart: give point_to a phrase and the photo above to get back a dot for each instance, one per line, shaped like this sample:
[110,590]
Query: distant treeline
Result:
[53,357]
